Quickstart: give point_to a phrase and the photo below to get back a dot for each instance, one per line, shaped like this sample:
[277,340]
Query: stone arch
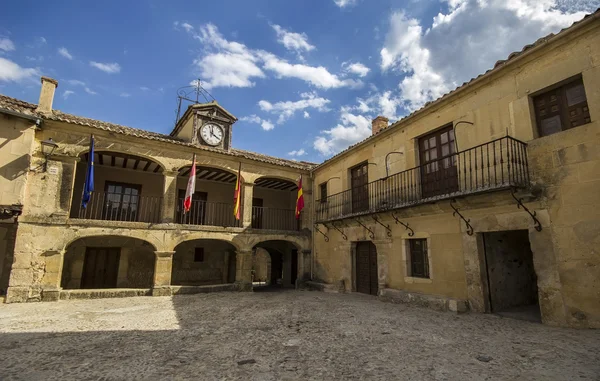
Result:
[285,259]
[301,243]
[107,261]
[142,235]
[159,162]
[200,235]
[291,179]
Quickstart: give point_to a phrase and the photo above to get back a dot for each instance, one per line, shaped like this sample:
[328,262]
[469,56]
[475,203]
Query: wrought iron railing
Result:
[274,219]
[109,206]
[207,213]
[499,164]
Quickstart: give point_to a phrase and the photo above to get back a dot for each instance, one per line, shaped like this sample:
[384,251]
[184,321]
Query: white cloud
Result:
[110,68]
[6,44]
[300,152]
[265,124]
[287,109]
[297,42]
[144,88]
[67,93]
[345,3]
[466,41]
[65,53]
[356,68]
[125,95]
[187,27]
[89,91]
[306,115]
[75,82]
[232,64]
[12,72]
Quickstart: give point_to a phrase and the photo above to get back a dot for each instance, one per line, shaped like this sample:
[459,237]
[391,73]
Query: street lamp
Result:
[48,147]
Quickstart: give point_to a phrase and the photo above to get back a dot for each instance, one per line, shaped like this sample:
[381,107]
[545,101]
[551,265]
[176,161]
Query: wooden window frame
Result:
[424,260]
[323,192]
[198,255]
[565,111]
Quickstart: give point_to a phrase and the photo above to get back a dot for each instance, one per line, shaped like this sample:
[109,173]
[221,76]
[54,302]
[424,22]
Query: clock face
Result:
[211,134]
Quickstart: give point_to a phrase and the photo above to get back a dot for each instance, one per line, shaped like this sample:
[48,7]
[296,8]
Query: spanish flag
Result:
[237,196]
[300,199]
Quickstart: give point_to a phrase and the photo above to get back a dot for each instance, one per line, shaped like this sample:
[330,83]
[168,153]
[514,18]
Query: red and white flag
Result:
[191,187]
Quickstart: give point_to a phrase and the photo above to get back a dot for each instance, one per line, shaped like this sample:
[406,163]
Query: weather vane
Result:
[191,94]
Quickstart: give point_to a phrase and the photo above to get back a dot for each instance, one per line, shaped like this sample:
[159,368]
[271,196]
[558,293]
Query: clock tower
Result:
[206,124]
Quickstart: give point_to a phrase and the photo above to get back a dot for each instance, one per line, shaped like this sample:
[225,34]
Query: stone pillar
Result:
[243,270]
[303,267]
[247,204]
[67,183]
[384,251]
[163,266]
[169,201]
[52,275]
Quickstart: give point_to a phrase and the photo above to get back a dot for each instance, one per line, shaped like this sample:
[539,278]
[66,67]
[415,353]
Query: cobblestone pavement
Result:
[281,336]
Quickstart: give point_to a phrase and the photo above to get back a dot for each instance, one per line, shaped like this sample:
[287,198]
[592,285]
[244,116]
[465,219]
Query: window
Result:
[561,108]
[418,260]
[199,254]
[323,189]
[122,201]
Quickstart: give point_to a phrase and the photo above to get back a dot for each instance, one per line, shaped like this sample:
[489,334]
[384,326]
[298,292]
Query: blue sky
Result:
[305,78]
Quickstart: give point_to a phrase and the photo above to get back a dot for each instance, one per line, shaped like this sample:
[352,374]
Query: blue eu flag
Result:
[88,186]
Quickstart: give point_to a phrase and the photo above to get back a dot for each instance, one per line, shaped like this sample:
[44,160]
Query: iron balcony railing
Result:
[109,206]
[207,213]
[274,219]
[499,164]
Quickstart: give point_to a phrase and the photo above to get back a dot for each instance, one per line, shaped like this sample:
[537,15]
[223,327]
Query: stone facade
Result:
[563,191]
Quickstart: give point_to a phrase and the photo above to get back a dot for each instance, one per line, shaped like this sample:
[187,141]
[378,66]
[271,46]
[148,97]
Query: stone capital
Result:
[170,173]
[164,254]
[306,251]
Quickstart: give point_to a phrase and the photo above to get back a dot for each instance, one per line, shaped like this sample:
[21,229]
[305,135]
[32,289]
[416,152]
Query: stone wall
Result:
[261,266]
[16,145]
[219,257]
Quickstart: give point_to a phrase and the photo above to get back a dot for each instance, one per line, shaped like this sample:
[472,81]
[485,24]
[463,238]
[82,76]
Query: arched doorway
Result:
[127,188]
[279,269]
[203,262]
[108,262]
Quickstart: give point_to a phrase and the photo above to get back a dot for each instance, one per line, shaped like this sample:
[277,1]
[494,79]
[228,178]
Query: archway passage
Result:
[203,262]
[127,188]
[274,265]
[101,262]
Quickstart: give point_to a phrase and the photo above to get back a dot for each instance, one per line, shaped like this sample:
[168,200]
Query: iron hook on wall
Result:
[411,233]
[341,232]
[467,222]
[387,227]
[536,222]
[324,235]
[371,233]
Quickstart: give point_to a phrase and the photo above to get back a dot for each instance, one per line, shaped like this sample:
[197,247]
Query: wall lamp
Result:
[48,147]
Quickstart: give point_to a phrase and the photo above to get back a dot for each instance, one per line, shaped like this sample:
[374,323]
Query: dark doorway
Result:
[511,277]
[359,178]
[276,267]
[294,272]
[197,213]
[366,268]
[100,267]
[257,213]
[438,163]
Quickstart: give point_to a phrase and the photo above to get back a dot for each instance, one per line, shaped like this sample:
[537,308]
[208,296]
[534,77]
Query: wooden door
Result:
[366,268]
[100,267]
[359,179]
[257,213]
[197,213]
[439,174]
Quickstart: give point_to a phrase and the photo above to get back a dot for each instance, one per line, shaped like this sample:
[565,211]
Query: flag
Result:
[237,196]
[191,187]
[300,199]
[88,186]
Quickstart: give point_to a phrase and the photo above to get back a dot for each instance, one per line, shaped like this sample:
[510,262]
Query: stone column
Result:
[243,270]
[384,251]
[52,275]
[163,266]
[247,204]
[169,201]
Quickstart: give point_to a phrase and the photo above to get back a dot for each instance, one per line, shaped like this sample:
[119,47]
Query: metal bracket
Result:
[537,223]
[371,233]
[412,232]
[324,235]
[467,222]
[341,232]
[387,227]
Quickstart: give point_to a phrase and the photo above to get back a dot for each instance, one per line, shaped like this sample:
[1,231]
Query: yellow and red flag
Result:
[191,188]
[300,199]
[237,196]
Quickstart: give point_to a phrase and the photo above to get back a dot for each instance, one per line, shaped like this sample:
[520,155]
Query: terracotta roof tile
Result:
[26,108]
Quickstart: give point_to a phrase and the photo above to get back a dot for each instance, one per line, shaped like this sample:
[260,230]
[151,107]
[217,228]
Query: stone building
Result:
[133,237]
[485,199]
